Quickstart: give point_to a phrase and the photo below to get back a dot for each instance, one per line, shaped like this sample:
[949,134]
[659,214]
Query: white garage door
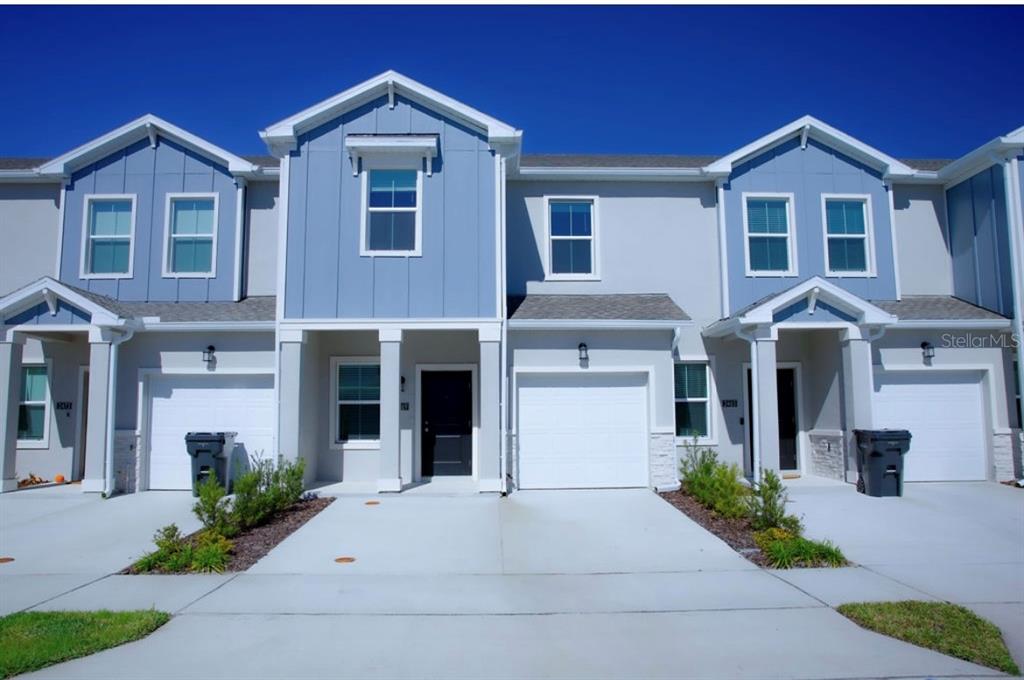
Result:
[582,431]
[203,403]
[945,415]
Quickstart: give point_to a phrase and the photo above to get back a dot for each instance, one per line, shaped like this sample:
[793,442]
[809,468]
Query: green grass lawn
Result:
[941,626]
[33,640]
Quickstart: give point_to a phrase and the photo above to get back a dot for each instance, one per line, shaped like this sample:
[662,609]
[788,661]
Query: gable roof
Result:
[147,126]
[809,126]
[103,311]
[982,157]
[282,135]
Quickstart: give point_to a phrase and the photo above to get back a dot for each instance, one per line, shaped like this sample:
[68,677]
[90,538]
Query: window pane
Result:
[845,217]
[192,255]
[392,188]
[33,383]
[571,256]
[561,219]
[109,256]
[392,231]
[358,421]
[847,255]
[31,421]
[581,256]
[358,382]
[581,216]
[769,254]
[691,419]
[110,217]
[192,216]
[767,216]
[691,381]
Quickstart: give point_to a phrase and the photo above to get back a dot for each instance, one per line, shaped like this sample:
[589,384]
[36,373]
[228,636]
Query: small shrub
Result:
[173,552]
[213,508]
[768,504]
[715,485]
[266,489]
[785,550]
[211,553]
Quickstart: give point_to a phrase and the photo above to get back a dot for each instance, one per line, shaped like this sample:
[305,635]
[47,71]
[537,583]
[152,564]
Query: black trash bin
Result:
[880,461]
[211,455]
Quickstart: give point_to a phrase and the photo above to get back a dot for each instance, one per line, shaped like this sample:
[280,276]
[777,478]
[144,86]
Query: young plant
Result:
[213,508]
[768,504]
[212,553]
[715,485]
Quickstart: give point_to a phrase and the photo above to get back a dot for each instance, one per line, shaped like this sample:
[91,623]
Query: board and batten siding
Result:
[807,174]
[150,174]
[980,241]
[28,217]
[325,276]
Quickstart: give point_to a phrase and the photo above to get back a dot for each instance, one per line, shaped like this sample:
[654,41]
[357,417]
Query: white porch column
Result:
[489,438]
[858,385]
[100,356]
[10,392]
[764,385]
[390,478]
[289,394]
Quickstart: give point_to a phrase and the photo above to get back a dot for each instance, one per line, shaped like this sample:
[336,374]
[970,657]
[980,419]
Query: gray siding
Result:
[980,240]
[456,274]
[28,218]
[921,239]
[150,174]
[261,222]
[806,173]
[39,315]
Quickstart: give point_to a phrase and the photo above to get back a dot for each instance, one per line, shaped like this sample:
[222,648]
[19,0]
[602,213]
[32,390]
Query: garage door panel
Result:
[582,431]
[944,412]
[181,404]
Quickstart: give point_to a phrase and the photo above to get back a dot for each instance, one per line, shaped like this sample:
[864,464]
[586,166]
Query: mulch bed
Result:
[736,532]
[252,545]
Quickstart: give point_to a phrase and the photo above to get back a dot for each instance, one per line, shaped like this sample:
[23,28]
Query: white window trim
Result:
[595,251]
[84,263]
[169,273]
[43,443]
[355,444]
[712,400]
[790,234]
[390,161]
[869,236]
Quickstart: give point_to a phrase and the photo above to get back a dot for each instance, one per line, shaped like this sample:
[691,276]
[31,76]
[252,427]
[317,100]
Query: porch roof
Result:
[937,308]
[622,307]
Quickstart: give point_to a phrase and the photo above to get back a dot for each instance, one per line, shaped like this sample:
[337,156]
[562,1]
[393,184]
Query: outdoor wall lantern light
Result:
[927,351]
[208,354]
[584,356]
[402,381]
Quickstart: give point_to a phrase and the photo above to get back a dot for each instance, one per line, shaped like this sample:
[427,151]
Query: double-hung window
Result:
[693,411]
[357,397]
[571,237]
[191,235]
[33,406]
[847,236]
[392,216]
[108,232]
[769,235]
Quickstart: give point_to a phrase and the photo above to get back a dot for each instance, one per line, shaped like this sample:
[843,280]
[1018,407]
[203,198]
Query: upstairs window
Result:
[191,235]
[847,236]
[357,390]
[109,229]
[692,412]
[33,407]
[769,238]
[392,216]
[571,230]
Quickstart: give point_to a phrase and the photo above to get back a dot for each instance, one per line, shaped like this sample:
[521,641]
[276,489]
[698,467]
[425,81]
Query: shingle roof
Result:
[936,308]
[20,163]
[545,160]
[627,307]
[259,308]
[928,164]
[264,160]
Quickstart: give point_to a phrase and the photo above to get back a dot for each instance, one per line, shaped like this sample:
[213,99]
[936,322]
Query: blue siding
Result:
[40,315]
[980,241]
[807,174]
[325,276]
[151,174]
[823,312]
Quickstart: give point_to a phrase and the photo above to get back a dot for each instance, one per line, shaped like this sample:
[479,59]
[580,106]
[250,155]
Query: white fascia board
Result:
[865,312]
[183,326]
[419,145]
[26,177]
[284,133]
[984,156]
[38,291]
[613,174]
[953,324]
[141,128]
[820,131]
[593,324]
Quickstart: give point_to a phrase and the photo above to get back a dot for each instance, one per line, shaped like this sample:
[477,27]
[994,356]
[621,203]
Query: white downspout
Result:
[755,409]
[503,374]
[1015,220]
[108,463]
[723,265]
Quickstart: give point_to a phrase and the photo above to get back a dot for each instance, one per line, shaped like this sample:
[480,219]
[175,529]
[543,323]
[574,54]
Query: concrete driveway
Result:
[957,542]
[589,584]
[61,539]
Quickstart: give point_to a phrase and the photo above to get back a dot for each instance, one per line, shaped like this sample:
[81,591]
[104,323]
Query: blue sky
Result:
[915,82]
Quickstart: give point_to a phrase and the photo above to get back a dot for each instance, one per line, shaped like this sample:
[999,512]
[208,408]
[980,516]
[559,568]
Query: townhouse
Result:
[398,295]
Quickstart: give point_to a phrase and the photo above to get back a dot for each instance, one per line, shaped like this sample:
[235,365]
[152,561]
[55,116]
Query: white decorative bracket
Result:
[355,164]
[803,137]
[812,301]
[51,301]
[151,131]
[391,94]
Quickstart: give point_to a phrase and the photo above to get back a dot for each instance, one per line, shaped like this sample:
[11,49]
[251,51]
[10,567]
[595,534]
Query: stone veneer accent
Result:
[1006,454]
[663,462]
[828,453]
[126,461]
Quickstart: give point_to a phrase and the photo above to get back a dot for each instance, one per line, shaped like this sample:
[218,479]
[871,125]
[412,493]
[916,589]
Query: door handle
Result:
[447,436]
